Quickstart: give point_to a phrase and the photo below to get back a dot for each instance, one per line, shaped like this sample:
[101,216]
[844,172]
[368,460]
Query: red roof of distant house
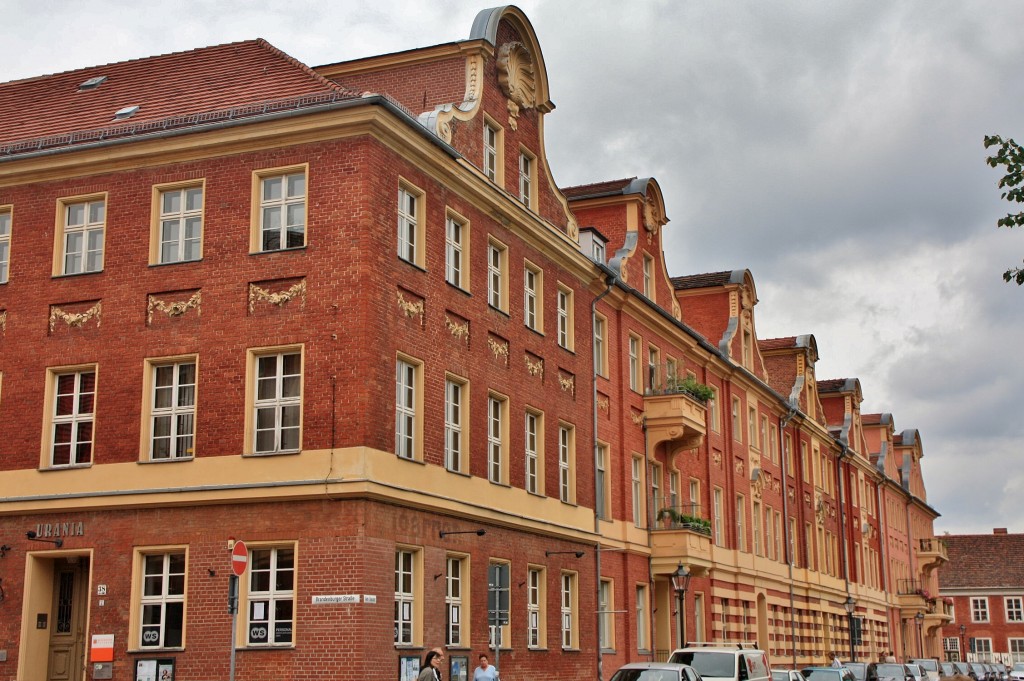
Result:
[606,188]
[982,561]
[163,87]
[701,280]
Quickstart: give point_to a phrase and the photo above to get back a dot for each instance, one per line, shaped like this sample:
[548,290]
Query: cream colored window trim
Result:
[635,378]
[457,250]
[566,312]
[497,274]
[533,297]
[409,407]
[536,607]
[80,234]
[570,620]
[457,424]
[257,622]
[281,192]
[493,162]
[281,404]
[601,345]
[533,437]
[506,629]
[175,408]
[458,627]
[497,438]
[68,437]
[175,202]
[607,617]
[6,226]
[412,211]
[173,592]
[528,178]
[567,463]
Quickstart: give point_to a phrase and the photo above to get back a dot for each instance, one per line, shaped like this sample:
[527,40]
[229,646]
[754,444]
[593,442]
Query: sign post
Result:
[497,604]
[239,562]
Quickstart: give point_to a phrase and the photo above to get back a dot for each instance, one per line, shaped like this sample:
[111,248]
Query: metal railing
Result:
[669,516]
[909,587]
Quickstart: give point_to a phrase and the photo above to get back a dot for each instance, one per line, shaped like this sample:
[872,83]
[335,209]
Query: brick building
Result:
[984,588]
[346,315]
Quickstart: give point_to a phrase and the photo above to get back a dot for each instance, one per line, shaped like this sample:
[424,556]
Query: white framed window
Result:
[717,510]
[737,429]
[410,230]
[566,463]
[535,611]
[5,243]
[714,415]
[533,280]
[453,600]
[601,479]
[271,596]
[648,277]
[773,446]
[653,362]
[1014,608]
[778,539]
[641,618]
[277,405]
[600,349]
[497,436]
[787,457]
[408,396]
[180,222]
[1016,649]
[673,489]
[983,649]
[455,407]
[694,496]
[405,596]
[492,151]
[82,234]
[172,410]
[282,209]
[755,514]
[162,600]
[456,243]
[654,475]
[501,635]
[597,250]
[570,638]
[527,168]
[752,427]
[634,363]
[769,535]
[564,309]
[533,437]
[497,279]
[979,609]
[741,530]
[636,479]
[605,617]
[73,395]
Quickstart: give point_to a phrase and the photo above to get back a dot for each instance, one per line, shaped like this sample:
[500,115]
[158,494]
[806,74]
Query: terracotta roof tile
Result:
[606,188]
[172,85]
[707,280]
[777,343]
[871,419]
[982,561]
[831,385]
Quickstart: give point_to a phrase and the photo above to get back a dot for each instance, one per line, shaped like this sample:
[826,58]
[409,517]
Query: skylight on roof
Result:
[126,112]
[92,83]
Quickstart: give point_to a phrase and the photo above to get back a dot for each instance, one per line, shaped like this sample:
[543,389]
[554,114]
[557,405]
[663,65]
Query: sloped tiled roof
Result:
[982,561]
[606,188]
[831,385]
[777,343]
[163,87]
[701,280]
[871,419]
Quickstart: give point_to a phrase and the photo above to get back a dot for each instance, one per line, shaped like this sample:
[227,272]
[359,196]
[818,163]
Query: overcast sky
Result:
[832,148]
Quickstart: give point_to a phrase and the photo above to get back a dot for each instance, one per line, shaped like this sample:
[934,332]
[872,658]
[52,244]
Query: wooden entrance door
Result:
[66,660]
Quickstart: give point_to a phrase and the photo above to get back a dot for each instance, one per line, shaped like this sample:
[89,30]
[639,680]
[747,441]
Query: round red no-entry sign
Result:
[239,558]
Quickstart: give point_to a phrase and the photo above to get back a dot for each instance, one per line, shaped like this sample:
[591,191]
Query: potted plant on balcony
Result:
[669,516]
[688,385]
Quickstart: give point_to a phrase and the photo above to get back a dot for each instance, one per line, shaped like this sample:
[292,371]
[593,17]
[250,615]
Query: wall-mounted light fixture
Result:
[578,554]
[445,533]
[31,534]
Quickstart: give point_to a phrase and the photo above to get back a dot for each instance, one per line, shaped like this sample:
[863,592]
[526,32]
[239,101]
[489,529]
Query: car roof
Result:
[654,665]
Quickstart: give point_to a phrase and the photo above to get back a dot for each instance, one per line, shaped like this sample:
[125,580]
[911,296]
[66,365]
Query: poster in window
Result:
[459,668]
[408,667]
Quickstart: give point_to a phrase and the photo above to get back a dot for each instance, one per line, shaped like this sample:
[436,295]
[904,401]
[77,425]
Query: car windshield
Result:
[1018,666]
[780,675]
[708,663]
[646,675]
[821,674]
[891,672]
[858,669]
[930,665]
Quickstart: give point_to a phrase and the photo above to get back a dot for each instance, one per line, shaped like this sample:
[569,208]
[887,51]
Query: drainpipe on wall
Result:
[609,282]
[783,422]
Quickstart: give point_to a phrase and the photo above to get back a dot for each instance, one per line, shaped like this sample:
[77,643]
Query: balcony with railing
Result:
[911,596]
[931,554]
[680,533]
[675,407]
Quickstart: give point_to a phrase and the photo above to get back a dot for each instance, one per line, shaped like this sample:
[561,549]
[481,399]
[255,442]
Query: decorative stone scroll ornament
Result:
[637,417]
[792,494]
[409,308]
[534,368]
[739,467]
[602,403]
[653,218]
[257,294]
[460,331]
[3,321]
[441,119]
[76,319]
[776,486]
[819,510]
[757,482]
[500,349]
[567,383]
[173,309]
[517,80]
[717,458]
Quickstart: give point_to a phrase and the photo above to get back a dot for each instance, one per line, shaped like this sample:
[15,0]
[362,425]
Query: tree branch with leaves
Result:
[1010,156]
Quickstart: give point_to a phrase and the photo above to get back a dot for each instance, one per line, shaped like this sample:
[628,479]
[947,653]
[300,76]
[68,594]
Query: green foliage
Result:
[690,386]
[1010,156]
[688,522]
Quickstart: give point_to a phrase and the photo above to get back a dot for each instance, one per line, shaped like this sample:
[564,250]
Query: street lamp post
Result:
[680,582]
[963,646]
[920,618]
[851,606]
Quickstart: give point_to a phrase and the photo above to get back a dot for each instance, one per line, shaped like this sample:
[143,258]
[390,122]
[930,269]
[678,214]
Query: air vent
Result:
[126,112]
[92,83]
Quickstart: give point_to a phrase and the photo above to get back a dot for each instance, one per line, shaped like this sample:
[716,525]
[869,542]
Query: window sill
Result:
[150,651]
[571,351]
[280,646]
[460,473]
[65,275]
[611,651]
[411,263]
[260,455]
[179,262]
[69,467]
[536,331]
[410,459]
[174,459]
[537,649]
[503,313]
[279,250]
[459,289]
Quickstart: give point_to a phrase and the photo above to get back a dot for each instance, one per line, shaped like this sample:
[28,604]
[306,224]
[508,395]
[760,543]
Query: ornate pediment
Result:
[517,79]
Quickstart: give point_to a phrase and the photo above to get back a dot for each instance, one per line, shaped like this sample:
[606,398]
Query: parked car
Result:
[1018,671]
[929,665]
[978,670]
[786,675]
[725,661]
[863,671]
[889,671]
[827,674]
[946,670]
[918,673]
[963,669]
[655,671]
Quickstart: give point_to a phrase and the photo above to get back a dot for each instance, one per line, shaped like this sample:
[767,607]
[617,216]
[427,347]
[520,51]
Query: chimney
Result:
[999,530]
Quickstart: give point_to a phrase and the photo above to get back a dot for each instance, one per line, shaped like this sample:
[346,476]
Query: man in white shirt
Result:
[486,671]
